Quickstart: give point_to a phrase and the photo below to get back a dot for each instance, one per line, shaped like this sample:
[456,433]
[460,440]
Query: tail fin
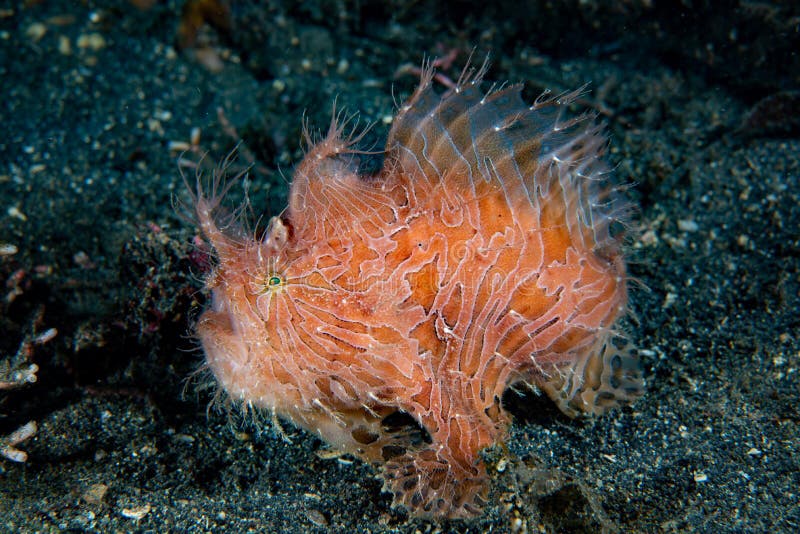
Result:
[609,375]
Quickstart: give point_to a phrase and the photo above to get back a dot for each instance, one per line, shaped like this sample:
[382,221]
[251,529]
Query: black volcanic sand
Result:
[98,100]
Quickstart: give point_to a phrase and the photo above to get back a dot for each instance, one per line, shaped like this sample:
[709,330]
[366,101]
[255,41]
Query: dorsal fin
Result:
[473,140]
[327,193]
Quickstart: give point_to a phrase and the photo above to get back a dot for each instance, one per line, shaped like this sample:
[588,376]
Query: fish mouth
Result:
[226,353]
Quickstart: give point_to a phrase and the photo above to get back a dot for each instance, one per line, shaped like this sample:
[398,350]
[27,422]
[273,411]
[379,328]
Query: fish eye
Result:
[272,281]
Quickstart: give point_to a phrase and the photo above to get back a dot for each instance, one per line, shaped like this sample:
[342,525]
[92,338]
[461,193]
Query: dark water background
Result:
[99,99]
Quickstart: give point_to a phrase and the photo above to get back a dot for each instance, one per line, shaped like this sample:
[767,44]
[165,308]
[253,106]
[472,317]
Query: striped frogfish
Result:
[388,313]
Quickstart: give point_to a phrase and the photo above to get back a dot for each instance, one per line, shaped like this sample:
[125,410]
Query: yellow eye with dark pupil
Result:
[273,281]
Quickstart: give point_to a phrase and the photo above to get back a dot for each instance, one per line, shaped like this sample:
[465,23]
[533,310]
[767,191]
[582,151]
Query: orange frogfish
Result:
[388,313]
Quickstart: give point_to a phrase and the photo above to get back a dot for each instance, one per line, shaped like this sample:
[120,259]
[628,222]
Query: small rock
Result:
[36,31]
[317,517]
[95,494]
[137,512]
[92,41]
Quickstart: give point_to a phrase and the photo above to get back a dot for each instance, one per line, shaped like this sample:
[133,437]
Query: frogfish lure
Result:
[388,313]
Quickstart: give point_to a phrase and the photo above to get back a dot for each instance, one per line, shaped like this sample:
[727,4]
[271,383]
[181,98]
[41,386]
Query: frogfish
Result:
[388,312]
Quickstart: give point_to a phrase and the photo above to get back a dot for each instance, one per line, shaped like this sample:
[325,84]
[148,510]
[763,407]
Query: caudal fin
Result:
[607,376]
